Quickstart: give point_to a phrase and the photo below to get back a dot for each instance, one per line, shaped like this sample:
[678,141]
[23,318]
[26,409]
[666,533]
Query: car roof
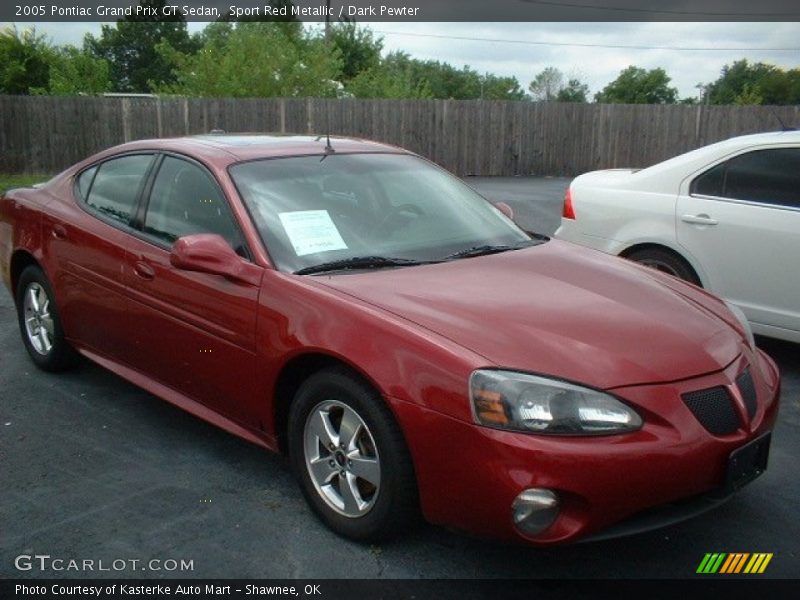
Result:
[229,148]
[770,137]
[745,141]
[705,155]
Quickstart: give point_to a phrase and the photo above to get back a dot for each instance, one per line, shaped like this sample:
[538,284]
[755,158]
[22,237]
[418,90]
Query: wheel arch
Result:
[682,256]
[292,375]
[21,259]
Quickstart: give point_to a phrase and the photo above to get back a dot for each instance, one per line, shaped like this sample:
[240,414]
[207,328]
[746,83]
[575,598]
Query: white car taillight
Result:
[569,211]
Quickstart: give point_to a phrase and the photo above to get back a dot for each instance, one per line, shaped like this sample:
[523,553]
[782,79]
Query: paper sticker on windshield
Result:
[311,231]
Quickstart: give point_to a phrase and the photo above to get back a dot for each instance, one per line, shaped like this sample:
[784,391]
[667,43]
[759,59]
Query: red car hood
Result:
[560,310]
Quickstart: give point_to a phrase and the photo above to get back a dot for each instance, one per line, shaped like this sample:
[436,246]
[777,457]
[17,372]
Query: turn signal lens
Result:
[489,407]
[535,404]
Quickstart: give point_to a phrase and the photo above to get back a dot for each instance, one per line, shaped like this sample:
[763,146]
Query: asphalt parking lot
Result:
[91,467]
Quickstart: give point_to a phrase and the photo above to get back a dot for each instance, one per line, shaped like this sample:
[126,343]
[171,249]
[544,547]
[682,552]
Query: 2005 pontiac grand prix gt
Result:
[409,347]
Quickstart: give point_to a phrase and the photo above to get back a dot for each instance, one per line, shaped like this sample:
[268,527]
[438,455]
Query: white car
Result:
[725,216]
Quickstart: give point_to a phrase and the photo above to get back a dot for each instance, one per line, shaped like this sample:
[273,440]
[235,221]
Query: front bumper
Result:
[469,475]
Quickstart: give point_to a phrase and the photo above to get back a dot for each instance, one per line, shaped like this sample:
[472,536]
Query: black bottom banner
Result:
[390,589]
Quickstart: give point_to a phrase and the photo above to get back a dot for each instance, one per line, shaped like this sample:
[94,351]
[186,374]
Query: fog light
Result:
[534,510]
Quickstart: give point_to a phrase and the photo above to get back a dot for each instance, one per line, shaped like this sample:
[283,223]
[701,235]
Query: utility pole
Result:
[327,21]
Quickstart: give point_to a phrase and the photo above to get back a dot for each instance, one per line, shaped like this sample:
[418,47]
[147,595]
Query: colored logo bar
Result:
[734,563]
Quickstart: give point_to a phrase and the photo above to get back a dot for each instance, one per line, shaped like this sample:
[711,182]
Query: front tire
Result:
[350,458]
[40,324]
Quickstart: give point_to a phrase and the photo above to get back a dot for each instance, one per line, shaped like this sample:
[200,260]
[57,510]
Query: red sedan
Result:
[409,347]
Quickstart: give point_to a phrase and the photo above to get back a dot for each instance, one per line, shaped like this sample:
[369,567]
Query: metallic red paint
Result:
[601,480]
[218,346]
[210,253]
[559,310]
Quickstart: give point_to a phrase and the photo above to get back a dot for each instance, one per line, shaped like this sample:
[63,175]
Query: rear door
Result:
[741,220]
[88,241]
[193,332]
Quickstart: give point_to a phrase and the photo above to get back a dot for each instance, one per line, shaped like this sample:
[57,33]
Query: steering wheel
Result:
[397,211]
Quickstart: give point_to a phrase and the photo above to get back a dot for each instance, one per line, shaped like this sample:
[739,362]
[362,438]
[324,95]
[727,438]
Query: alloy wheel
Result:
[342,458]
[39,325]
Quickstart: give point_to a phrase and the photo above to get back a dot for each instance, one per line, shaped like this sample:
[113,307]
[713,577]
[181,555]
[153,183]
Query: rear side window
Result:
[85,182]
[116,186]
[764,176]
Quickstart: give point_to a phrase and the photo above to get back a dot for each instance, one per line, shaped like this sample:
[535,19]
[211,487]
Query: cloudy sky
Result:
[577,49]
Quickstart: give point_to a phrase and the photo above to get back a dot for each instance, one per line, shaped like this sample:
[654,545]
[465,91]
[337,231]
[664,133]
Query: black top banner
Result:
[401,10]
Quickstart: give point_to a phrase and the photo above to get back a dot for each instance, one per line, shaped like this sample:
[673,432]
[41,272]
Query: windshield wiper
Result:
[362,262]
[489,249]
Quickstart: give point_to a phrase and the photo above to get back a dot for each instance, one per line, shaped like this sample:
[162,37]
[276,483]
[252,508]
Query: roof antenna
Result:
[783,125]
[328,148]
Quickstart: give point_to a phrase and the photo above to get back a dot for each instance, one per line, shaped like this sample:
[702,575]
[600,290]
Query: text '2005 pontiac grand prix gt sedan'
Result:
[409,347]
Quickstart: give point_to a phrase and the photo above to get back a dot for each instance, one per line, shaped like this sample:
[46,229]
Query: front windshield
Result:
[312,210]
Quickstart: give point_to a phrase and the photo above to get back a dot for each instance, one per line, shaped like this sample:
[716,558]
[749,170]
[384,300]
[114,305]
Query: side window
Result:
[186,200]
[85,182]
[711,182]
[770,176]
[116,186]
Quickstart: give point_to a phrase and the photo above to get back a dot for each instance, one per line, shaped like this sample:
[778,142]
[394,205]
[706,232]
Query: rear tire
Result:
[40,323]
[665,261]
[350,457]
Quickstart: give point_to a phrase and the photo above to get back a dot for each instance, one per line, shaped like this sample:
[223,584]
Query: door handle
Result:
[59,232]
[699,219]
[143,270]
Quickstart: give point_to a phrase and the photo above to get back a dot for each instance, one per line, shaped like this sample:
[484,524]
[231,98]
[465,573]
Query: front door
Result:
[193,332]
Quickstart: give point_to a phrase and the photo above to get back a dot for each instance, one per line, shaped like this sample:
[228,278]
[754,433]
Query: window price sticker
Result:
[311,231]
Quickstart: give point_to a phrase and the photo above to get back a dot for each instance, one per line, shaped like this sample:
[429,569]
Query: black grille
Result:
[748,391]
[714,409]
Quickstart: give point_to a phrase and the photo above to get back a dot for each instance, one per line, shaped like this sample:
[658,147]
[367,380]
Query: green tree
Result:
[393,77]
[735,78]
[24,61]
[549,86]
[431,79]
[384,82]
[254,60]
[216,34]
[574,91]
[130,49]
[447,81]
[750,94]
[73,71]
[636,85]
[494,87]
[781,87]
[359,49]
[546,85]
[743,82]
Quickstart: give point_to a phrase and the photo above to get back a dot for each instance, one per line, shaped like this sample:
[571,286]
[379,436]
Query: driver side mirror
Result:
[210,253]
[505,209]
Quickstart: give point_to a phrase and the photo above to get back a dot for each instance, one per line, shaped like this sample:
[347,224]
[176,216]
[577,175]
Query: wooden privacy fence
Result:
[40,134]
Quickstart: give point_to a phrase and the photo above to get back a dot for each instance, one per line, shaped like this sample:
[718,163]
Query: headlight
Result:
[748,331]
[533,404]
